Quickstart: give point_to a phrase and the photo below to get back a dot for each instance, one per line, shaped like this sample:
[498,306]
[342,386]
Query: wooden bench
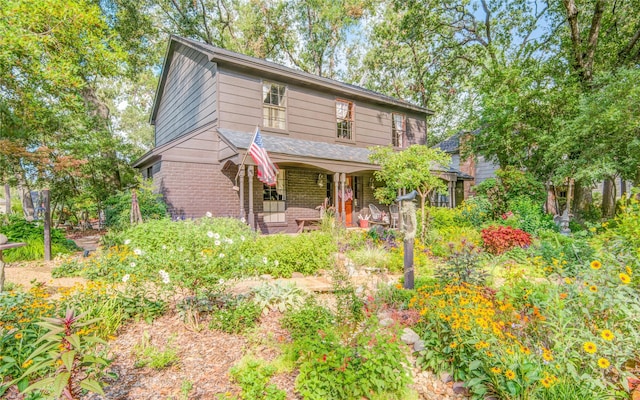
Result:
[308,224]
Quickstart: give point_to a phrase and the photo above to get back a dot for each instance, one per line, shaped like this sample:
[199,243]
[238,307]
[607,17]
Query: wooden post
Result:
[1,272]
[241,175]
[47,224]
[7,197]
[408,263]
[252,217]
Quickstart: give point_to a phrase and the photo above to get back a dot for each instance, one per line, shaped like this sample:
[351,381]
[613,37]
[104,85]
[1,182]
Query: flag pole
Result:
[236,187]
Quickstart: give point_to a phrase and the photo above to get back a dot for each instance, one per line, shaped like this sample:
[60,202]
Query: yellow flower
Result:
[595,264]
[607,335]
[26,364]
[509,351]
[628,268]
[453,345]
[547,355]
[625,278]
[567,281]
[603,363]
[590,347]
[496,370]
[18,336]
[593,288]
[546,382]
[510,374]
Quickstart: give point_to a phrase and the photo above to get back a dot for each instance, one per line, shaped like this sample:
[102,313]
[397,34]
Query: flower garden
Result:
[503,303]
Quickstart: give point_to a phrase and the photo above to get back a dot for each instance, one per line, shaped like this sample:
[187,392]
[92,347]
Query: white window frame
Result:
[270,111]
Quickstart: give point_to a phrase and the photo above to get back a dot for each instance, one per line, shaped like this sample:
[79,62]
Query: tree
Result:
[414,168]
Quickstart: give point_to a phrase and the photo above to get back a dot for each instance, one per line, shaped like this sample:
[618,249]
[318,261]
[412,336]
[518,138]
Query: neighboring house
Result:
[478,168]
[208,104]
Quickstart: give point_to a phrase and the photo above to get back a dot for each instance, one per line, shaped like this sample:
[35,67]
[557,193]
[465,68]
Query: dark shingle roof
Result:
[298,147]
[450,145]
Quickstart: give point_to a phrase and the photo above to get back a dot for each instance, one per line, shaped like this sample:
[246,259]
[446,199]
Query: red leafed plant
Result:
[498,239]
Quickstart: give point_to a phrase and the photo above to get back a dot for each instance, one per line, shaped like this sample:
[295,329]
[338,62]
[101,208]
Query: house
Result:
[477,169]
[208,104]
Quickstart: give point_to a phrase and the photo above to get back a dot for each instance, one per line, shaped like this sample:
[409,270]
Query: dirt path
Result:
[28,273]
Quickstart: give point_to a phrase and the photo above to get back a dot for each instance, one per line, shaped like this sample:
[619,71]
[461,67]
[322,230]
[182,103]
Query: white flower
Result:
[210,234]
[221,255]
[164,247]
[133,265]
[242,238]
[208,214]
[264,260]
[230,241]
[243,220]
[276,262]
[180,249]
[216,235]
[217,243]
[126,278]
[127,241]
[164,275]
[221,281]
[138,252]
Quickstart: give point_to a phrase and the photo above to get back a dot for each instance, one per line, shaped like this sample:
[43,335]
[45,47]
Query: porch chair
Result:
[377,216]
[394,212]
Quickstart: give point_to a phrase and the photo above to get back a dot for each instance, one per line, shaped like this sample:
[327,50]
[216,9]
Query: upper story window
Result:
[274,105]
[344,119]
[398,130]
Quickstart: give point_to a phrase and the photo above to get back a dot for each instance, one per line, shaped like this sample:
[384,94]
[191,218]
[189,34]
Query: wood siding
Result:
[189,96]
[311,114]
[485,170]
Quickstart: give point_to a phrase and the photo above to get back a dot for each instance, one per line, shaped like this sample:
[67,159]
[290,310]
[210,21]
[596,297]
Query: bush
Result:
[498,239]
[445,241]
[530,216]
[236,316]
[308,320]
[285,254]
[118,206]
[509,184]
[252,375]
[462,267]
[20,230]
[477,210]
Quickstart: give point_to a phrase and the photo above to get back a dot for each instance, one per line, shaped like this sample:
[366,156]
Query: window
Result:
[398,128]
[273,200]
[274,105]
[344,119]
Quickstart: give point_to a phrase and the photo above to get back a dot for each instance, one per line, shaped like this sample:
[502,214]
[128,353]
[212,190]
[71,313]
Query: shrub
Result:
[498,239]
[118,206]
[235,316]
[285,254]
[148,355]
[20,230]
[477,210]
[462,267]
[252,375]
[278,297]
[509,184]
[308,320]
[445,241]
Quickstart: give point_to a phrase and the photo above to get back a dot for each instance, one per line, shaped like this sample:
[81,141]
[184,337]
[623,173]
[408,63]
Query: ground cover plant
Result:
[18,229]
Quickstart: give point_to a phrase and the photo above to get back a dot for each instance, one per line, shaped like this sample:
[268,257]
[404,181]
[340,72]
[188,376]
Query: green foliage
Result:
[444,241]
[67,358]
[286,254]
[148,355]
[308,320]
[18,229]
[252,375]
[462,267]
[349,306]
[509,184]
[477,210]
[118,207]
[529,215]
[372,367]
[236,316]
[411,169]
[563,254]
[278,297]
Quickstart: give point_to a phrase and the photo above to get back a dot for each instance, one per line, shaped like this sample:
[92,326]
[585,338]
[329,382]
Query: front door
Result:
[348,200]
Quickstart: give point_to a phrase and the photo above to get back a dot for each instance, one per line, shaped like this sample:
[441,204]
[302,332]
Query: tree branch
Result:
[592,43]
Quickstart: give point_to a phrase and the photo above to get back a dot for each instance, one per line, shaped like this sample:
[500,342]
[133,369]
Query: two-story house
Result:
[208,104]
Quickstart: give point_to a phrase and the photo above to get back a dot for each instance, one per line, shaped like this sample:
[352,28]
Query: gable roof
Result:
[243,62]
[450,145]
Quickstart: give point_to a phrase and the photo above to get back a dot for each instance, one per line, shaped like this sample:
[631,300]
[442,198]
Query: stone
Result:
[459,388]
[418,345]
[446,377]
[3,239]
[409,336]
[386,322]
[297,275]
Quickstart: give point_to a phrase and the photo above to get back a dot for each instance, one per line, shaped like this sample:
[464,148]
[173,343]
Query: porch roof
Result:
[298,147]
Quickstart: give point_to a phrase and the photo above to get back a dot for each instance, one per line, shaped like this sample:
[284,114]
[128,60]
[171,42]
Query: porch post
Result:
[336,178]
[452,194]
[242,175]
[343,216]
[252,221]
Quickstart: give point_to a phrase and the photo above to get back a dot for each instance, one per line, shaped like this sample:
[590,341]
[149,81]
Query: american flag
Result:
[267,171]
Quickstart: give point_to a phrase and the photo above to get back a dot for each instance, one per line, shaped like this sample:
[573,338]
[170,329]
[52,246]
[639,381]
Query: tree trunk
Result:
[550,205]
[582,199]
[25,195]
[7,196]
[423,231]
[608,198]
